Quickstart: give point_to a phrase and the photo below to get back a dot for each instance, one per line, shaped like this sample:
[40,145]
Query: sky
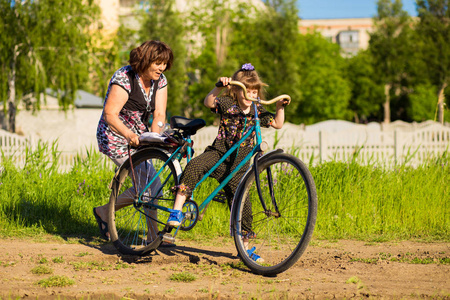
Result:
[336,9]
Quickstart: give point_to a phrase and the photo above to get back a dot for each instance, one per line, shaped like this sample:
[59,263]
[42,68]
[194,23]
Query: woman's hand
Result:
[133,139]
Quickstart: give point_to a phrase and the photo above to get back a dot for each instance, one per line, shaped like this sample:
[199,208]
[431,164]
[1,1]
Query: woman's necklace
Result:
[146,90]
[146,86]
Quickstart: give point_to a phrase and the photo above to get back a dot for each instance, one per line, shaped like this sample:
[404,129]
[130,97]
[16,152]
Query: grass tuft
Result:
[42,270]
[183,277]
[58,281]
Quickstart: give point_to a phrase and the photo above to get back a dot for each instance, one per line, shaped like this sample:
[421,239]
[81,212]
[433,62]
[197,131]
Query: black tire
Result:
[131,226]
[280,239]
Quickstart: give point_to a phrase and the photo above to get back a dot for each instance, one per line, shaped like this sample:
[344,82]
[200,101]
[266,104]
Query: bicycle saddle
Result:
[187,126]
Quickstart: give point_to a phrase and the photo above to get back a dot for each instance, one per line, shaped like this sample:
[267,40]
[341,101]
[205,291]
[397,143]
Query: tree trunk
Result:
[221,39]
[387,103]
[441,100]
[11,122]
[218,44]
[356,117]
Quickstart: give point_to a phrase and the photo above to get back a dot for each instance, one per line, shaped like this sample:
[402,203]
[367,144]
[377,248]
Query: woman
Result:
[135,92]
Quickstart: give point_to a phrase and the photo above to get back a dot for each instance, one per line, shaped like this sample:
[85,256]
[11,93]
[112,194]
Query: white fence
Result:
[14,146]
[398,142]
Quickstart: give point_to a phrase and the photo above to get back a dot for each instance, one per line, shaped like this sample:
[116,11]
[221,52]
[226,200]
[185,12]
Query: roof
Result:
[83,100]
[87,100]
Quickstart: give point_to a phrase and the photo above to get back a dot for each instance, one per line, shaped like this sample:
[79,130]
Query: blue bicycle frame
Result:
[255,128]
[176,155]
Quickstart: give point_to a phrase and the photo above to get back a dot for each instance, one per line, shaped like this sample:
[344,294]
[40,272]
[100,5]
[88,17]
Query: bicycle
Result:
[277,195]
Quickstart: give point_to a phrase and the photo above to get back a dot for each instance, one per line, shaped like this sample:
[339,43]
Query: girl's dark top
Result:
[234,124]
[134,114]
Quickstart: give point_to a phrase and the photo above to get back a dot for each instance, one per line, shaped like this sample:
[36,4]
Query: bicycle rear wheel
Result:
[279,233]
[133,224]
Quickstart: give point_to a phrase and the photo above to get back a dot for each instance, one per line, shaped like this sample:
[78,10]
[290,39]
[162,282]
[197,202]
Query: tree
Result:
[325,89]
[268,38]
[390,47]
[272,43]
[422,106]
[434,30]
[214,26]
[367,94]
[307,67]
[43,45]
[163,22]
[109,53]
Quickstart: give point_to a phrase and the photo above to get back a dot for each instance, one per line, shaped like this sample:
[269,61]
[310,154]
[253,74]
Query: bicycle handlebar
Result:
[265,102]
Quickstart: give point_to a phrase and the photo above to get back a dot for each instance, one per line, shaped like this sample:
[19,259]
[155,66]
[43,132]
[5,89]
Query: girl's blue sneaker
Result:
[175,218]
[254,256]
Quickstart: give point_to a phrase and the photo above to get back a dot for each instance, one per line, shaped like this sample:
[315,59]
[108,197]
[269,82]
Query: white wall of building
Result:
[331,28]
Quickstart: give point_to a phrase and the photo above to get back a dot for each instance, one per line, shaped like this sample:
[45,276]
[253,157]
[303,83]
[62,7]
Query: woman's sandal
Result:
[102,225]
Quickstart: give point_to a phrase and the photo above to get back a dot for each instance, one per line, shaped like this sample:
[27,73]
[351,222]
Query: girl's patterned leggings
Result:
[201,164]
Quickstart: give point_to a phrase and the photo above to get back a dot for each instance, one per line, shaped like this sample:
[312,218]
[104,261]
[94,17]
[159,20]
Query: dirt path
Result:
[342,269]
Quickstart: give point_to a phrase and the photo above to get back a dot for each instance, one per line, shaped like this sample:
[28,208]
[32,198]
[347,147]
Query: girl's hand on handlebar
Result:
[223,81]
[282,103]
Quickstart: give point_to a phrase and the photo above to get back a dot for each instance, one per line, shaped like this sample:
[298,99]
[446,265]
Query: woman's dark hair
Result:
[150,52]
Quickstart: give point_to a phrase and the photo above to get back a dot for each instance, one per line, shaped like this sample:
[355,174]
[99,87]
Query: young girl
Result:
[236,118]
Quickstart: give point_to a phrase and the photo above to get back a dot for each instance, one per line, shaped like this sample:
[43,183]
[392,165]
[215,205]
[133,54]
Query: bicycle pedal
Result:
[220,197]
[168,238]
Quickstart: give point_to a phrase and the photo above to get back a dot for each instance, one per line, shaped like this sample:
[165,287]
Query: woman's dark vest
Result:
[136,100]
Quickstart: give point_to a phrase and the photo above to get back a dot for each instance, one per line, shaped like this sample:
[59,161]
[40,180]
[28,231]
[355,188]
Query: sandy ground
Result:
[339,269]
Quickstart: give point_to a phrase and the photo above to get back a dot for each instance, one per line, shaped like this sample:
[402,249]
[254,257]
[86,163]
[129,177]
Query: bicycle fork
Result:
[268,213]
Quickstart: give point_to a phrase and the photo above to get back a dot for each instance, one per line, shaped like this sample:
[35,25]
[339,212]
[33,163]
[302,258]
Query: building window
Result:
[349,41]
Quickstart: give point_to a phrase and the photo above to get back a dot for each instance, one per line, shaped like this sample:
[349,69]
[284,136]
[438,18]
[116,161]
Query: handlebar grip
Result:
[219,84]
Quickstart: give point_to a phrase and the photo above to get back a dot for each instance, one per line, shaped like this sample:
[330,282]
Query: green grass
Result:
[58,260]
[38,199]
[355,280]
[42,270]
[367,202]
[409,258]
[59,281]
[183,277]
[355,202]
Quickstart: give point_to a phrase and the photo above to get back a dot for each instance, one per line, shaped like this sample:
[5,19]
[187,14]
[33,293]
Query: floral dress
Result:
[134,113]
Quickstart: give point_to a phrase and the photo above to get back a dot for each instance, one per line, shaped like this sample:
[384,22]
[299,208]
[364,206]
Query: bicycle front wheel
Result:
[272,231]
[134,224]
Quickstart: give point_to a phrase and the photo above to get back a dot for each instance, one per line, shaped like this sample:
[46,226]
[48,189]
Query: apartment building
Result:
[351,34]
